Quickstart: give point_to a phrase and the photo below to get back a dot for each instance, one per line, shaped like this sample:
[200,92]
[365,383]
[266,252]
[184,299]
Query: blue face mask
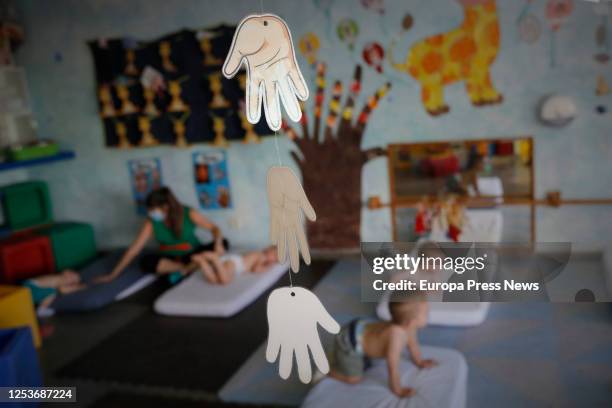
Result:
[157,215]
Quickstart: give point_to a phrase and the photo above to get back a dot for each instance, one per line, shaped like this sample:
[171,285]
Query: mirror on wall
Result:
[501,168]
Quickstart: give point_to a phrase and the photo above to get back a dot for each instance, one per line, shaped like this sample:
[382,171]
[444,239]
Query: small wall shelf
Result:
[62,155]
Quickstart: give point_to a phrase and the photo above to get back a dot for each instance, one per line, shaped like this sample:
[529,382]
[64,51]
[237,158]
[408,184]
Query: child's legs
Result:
[46,302]
[225,271]
[344,378]
[166,266]
[161,264]
[48,281]
[206,269]
[347,365]
[252,260]
[64,290]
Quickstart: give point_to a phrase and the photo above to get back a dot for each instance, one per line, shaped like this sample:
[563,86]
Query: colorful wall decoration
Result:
[67,104]
[170,91]
[336,194]
[145,176]
[462,54]
[212,180]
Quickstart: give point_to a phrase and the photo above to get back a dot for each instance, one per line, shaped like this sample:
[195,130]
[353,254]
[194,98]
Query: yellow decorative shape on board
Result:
[219,130]
[216,87]
[147,139]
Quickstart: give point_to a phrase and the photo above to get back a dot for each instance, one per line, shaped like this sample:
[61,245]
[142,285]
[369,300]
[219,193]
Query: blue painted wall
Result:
[576,159]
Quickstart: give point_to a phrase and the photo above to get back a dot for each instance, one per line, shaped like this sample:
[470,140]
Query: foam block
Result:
[73,244]
[17,310]
[25,256]
[19,365]
[26,205]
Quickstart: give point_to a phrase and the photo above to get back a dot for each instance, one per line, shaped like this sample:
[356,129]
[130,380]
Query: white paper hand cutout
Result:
[293,315]
[287,200]
[263,43]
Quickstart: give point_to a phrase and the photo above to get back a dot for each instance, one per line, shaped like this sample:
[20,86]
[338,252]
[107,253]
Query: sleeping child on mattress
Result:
[173,225]
[221,268]
[46,288]
[364,339]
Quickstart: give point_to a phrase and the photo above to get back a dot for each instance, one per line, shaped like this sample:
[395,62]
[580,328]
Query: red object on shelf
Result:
[25,256]
[504,148]
[440,166]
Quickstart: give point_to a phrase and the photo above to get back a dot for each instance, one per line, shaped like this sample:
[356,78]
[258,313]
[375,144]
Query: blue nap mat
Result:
[96,296]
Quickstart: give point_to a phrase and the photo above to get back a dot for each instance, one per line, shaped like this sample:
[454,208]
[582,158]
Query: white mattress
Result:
[489,186]
[483,225]
[196,297]
[458,314]
[443,386]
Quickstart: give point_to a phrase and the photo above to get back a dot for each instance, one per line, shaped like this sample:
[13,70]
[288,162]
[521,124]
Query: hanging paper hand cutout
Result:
[263,43]
[287,199]
[293,315]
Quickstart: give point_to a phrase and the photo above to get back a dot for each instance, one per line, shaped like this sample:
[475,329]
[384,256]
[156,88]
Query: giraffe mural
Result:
[462,54]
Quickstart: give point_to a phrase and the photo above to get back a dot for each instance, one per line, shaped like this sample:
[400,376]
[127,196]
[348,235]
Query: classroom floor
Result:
[126,355]
[76,352]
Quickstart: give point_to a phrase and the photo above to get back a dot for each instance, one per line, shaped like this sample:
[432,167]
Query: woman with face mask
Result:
[173,226]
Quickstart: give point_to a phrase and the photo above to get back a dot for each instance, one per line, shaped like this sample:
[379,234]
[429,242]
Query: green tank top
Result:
[171,245]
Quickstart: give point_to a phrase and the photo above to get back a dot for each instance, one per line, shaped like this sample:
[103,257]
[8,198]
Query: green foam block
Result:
[73,244]
[26,205]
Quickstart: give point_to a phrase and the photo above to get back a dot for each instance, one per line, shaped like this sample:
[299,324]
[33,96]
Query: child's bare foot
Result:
[427,363]
[406,392]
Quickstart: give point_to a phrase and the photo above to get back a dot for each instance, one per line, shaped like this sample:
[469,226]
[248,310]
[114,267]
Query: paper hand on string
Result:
[293,315]
[263,43]
[287,200]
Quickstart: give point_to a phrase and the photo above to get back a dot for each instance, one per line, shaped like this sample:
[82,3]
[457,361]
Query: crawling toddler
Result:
[364,339]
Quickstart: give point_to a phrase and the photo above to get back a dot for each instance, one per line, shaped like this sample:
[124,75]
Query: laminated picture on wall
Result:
[212,180]
[145,176]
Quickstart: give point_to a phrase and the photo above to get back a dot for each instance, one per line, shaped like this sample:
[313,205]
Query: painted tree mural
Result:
[331,163]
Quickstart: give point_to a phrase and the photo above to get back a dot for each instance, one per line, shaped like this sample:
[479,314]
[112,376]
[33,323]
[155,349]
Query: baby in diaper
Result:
[223,268]
[365,339]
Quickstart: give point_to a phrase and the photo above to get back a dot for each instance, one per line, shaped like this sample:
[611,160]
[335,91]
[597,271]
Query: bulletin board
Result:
[170,91]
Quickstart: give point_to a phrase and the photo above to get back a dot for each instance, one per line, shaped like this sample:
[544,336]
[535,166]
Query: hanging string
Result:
[280,162]
[278,156]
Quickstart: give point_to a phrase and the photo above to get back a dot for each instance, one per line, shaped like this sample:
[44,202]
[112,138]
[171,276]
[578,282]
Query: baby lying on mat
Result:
[221,269]
[45,288]
[364,339]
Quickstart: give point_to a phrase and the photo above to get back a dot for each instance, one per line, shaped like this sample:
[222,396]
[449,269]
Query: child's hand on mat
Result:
[405,392]
[427,363]
[104,278]
[287,201]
